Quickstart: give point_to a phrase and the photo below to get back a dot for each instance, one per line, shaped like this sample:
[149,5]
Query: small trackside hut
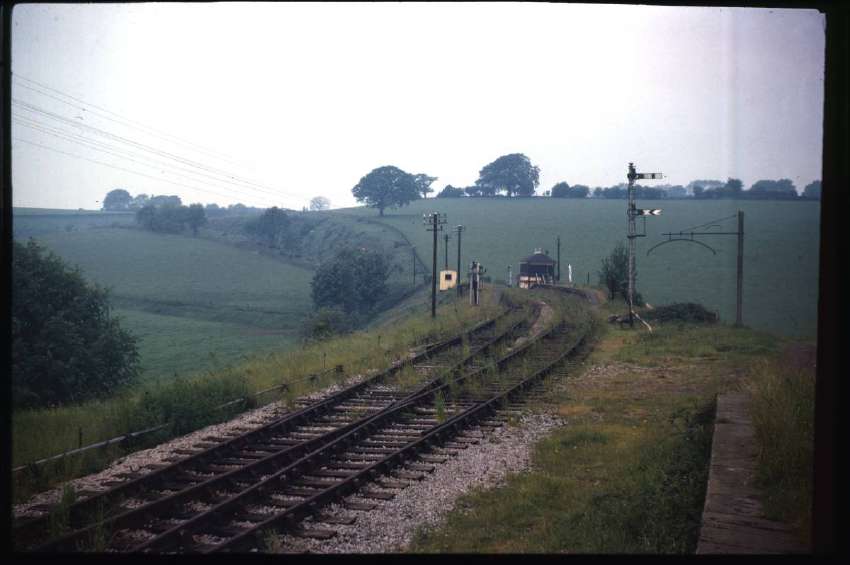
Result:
[537,268]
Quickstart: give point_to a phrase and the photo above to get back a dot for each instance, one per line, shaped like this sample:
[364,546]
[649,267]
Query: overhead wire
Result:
[233,178]
[118,167]
[118,119]
[710,222]
[125,154]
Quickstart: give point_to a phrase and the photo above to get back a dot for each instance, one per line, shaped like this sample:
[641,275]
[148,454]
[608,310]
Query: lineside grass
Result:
[628,471]
[189,403]
[783,408]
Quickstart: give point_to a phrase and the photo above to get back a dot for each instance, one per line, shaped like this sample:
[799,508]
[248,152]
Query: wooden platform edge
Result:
[733,519]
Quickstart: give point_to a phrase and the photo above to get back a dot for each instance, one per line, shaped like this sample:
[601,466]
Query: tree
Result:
[319,203]
[560,190]
[196,217]
[675,191]
[354,280]
[733,188]
[65,346]
[163,200]
[139,201]
[474,190]
[563,190]
[270,227]
[118,199]
[423,184]
[386,187]
[698,190]
[615,272]
[812,190]
[512,173]
[578,191]
[773,189]
[451,192]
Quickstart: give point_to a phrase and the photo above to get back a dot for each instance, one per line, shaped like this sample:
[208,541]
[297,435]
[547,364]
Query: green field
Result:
[194,303]
[780,249]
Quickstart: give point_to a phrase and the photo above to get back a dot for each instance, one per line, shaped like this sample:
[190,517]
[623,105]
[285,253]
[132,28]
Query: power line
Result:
[121,153]
[120,119]
[119,168]
[98,131]
[711,222]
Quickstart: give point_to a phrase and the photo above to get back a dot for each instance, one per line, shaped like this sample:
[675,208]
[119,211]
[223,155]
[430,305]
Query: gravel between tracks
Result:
[391,525]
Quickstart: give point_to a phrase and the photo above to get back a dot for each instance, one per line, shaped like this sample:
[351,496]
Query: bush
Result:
[354,280]
[65,346]
[327,323]
[681,312]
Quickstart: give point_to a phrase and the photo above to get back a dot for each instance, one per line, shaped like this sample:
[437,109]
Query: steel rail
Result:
[302,466]
[251,471]
[438,434]
[25,532]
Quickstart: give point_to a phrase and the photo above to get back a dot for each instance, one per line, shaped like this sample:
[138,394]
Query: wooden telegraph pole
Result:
[740,272]
[435,222]
[459,230]
[558,273]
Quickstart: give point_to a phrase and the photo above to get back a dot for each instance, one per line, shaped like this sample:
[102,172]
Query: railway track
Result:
[221,465]
[382,456]
[379,453]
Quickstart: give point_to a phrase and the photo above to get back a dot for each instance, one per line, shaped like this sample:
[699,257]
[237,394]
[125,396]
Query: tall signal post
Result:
[446,238]
[459,230]
[632,213]
[435,222]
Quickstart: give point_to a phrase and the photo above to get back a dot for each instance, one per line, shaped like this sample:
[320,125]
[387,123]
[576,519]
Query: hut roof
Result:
[538,259]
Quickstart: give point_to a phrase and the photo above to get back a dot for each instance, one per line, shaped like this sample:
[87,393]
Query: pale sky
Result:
[301,100]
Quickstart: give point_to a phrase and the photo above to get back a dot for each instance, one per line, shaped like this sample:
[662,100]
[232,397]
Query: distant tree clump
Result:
[614,274]
[271,227]
[451,192]
[812,190]
[354,280]
[65,346]
[118,199]
[782,189]
[386,187]
[170,218]
[514,174]
[319,203]
[564,190]
[195,217]
[162,200]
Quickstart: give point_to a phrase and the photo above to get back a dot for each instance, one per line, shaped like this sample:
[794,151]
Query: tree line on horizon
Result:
[514,175]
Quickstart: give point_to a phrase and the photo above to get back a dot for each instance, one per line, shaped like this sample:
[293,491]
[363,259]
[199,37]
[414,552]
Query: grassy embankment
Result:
[780,248]
[188,403]
[199,303]
[195,304]
[627,474]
